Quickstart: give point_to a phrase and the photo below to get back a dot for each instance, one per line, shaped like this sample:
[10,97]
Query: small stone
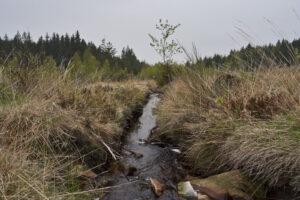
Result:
[186,190]
[157,186]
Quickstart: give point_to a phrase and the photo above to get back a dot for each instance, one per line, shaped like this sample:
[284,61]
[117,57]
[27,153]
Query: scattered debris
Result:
[186,190]
[157,186]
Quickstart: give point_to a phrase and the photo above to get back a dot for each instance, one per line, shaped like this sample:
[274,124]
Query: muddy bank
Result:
[142,163]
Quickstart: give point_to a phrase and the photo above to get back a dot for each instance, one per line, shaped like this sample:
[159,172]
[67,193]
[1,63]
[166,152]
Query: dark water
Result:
[143,161]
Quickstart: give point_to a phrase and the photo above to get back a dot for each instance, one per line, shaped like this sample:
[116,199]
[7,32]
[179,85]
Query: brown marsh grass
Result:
[236,120]
[54,128]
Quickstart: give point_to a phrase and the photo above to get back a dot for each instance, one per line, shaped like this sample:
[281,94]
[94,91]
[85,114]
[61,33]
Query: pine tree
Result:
[130,61]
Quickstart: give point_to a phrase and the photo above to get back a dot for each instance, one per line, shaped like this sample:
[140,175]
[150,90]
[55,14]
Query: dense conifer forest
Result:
[63,48]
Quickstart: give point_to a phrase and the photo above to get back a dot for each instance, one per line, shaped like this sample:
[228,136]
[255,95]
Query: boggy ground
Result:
[57,131]
[226,120]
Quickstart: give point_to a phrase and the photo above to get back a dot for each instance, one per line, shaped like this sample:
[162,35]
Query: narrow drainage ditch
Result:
[148,171]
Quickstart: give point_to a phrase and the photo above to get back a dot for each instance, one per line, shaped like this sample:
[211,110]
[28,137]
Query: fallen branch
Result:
[106,146]
[109,149]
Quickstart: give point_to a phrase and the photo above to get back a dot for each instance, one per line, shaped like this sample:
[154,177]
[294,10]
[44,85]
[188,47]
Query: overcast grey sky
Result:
[215,26]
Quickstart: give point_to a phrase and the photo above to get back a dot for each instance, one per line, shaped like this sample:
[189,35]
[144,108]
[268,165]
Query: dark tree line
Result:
[63,47]
[283,53]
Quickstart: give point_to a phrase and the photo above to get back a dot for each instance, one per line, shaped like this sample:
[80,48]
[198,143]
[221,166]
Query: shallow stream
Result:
[142,161]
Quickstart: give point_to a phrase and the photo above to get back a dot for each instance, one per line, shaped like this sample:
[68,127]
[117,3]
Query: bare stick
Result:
[109,149]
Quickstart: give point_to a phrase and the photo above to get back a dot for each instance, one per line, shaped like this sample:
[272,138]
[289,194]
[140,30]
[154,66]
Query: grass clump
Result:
[236,120]
[60,125]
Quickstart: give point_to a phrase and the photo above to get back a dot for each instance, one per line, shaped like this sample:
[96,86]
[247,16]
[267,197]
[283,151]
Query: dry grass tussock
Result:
[53,128]
[237,120]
